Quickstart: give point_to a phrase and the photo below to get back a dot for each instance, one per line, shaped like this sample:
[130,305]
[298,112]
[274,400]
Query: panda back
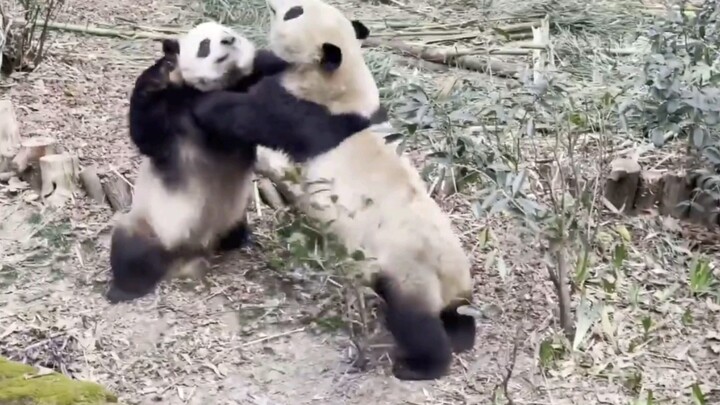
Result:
[377,202]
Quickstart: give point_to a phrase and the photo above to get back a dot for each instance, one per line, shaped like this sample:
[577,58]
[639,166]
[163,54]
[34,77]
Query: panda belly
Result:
[211,200]
[388,214]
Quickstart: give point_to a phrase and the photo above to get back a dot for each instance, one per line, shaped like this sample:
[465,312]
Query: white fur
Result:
[375,199]
[206,74]
[212,201]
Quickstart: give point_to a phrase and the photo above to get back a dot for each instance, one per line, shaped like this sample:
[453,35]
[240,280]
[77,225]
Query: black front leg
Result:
[235,238]
[270,116]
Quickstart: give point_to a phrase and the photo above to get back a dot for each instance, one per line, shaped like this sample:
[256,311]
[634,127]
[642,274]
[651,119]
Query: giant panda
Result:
[373,199]
[191,193]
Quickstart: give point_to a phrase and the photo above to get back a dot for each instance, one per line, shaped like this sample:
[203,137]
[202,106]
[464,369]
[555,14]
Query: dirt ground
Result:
[240,339]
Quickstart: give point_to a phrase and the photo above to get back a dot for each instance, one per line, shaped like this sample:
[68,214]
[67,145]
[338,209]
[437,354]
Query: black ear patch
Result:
[228,41]
[170,47]
[361,31]
[294,12]
[331,58]
[203,50]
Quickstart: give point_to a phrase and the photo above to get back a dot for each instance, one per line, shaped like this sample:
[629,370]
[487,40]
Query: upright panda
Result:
[373,199]
[191,193]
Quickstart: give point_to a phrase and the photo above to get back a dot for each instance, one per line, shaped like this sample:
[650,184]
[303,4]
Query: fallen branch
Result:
[450,56]
[118,193]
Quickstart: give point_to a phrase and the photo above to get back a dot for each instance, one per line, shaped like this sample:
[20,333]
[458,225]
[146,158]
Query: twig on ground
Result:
[509,368]
[272,337]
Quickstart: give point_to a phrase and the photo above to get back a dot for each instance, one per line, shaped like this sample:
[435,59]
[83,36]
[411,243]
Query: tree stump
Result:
[32,150]
[59,175]
[92,184]
[622,184]
[9,135]
[676,190]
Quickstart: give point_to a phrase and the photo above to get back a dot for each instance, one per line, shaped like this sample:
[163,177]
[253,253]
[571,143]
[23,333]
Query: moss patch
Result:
[50,389]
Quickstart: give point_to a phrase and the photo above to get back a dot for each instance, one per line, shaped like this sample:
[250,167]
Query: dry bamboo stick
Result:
[465,58]
[98,31]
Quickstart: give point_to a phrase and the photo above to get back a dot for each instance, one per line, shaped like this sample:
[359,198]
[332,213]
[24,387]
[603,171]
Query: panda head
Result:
[314,33]
[212,54]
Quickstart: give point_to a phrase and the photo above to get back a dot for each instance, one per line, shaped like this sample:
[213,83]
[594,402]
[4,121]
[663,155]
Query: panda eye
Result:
[228,41]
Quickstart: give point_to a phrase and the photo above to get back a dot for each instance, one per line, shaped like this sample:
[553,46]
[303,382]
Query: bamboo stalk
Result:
[98,31]
[462,57]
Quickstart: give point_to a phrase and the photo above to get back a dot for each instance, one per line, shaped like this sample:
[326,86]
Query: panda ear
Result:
[170,47]
[361,31]
[331,57]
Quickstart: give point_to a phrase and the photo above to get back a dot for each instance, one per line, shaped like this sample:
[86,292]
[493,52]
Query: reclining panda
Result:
[192,190]
[373,199]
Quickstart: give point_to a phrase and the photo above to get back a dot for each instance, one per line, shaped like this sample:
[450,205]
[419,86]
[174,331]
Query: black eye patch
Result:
[222,58]
[204,48]
[294,12]
[228,41]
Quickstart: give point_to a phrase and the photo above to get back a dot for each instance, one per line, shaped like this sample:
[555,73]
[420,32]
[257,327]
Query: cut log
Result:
[118,193]
[269,194]
[59,177]
[32,150]
[9,135]
[92,184]
[622,184]
[277,167]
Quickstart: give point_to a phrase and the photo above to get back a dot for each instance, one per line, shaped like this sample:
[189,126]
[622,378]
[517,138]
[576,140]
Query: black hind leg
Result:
[138,264]
[235,238]
[425,351]
[459,328]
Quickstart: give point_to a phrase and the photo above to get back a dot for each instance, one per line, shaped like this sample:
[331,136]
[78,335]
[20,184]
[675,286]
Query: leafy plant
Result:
[25,48]
[701,277]
[681,76]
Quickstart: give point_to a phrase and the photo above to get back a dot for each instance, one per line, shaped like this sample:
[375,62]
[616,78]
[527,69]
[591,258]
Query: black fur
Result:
[270,116]
[138,262]
[424,348]
[160,111]
[361,31]
[236,238]
[293,12]
[459,328]
[331,58]
[170,47]
[203,50]
[160,116]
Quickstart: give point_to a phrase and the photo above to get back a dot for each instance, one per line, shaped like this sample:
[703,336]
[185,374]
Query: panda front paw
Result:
[236,238]
[406,371]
